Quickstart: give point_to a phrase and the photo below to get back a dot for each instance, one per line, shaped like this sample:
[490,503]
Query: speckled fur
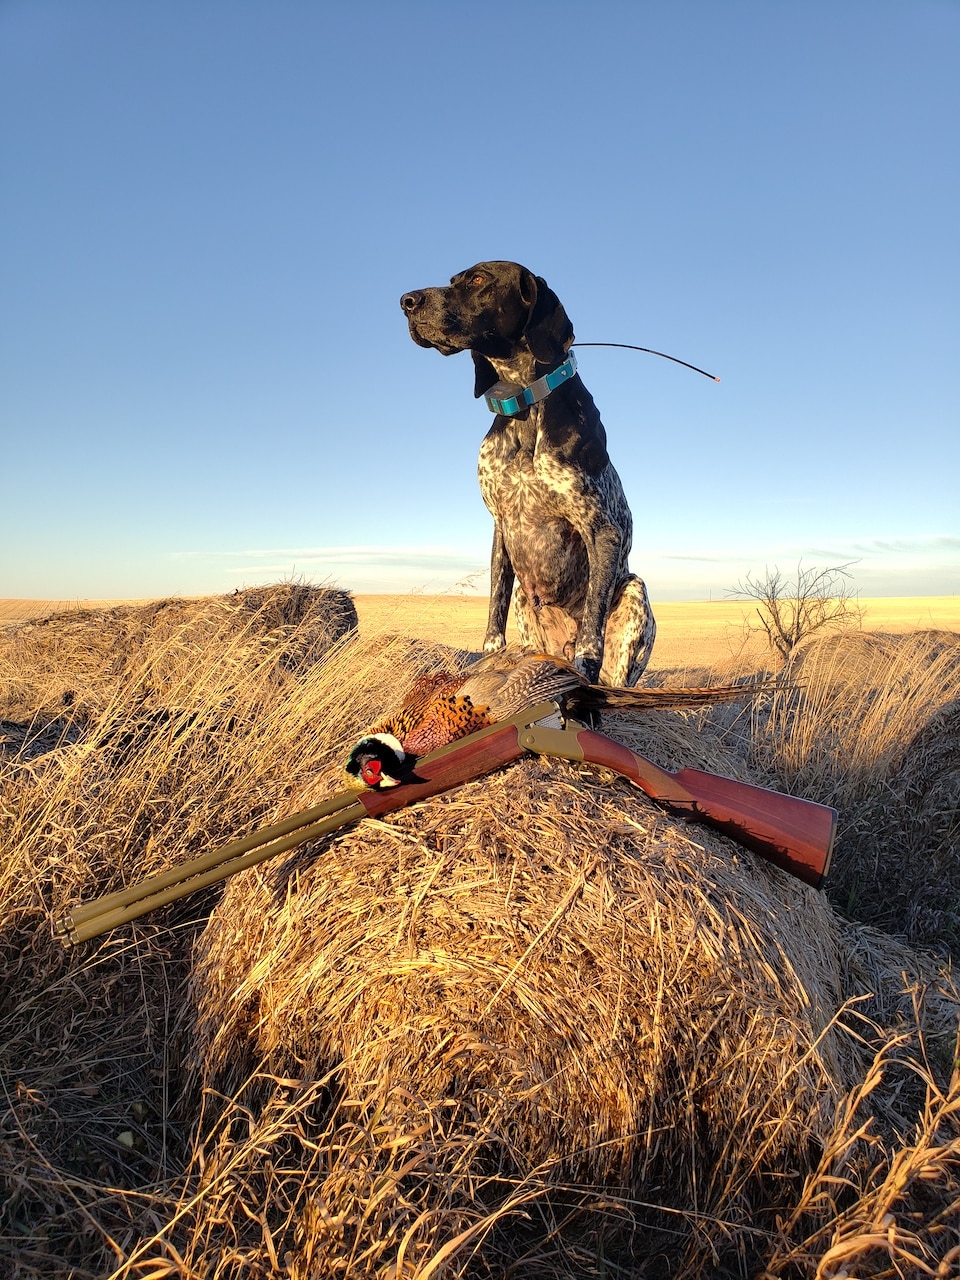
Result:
[562,526]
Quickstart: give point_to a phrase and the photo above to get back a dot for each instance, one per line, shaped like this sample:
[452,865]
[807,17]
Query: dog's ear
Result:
[548,330]
[485,375]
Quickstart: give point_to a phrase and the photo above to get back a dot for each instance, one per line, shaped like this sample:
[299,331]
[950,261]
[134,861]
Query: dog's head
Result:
[494,310]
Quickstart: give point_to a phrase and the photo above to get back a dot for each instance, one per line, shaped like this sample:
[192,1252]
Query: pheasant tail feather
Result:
[598,697]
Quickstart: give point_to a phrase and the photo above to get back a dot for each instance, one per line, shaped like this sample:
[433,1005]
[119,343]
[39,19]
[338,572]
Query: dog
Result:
[562,526]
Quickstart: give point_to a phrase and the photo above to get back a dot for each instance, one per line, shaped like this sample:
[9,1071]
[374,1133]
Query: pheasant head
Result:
[379,760]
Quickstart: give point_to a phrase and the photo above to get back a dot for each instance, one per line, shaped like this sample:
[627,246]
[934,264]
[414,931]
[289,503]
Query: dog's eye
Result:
[479,278]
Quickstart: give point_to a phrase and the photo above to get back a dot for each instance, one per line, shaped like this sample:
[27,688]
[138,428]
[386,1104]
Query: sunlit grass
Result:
[531,1028]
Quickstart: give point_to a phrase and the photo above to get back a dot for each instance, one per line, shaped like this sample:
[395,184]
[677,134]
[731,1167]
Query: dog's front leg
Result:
[501,588]
[604,554]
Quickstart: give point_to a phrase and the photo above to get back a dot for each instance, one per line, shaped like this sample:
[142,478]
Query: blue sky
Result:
[210,208]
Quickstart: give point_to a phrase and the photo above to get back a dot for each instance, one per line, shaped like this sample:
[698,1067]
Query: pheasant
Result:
[444,706]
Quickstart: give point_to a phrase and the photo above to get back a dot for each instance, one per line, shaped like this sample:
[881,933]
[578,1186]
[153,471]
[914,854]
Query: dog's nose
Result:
[412,301]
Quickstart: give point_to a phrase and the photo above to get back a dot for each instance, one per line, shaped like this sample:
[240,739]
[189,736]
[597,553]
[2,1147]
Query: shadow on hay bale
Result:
[28,739]
[549,967]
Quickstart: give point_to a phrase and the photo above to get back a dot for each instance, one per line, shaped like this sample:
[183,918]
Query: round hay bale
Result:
[543,957]
[873,728]
[865,659]
[82,658]
[303,620]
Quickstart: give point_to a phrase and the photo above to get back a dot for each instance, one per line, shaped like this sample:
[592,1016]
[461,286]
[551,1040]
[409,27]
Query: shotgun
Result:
[795,834]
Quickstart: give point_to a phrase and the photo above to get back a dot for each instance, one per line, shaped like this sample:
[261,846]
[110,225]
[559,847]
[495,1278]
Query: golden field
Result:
[534,1028]
[688,634]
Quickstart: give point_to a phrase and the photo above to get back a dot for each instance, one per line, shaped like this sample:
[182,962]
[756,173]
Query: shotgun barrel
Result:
[441,770]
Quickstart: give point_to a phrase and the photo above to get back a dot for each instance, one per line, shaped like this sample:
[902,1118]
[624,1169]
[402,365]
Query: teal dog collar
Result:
[508,399]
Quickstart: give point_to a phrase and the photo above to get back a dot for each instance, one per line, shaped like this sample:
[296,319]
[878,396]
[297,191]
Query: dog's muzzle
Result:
[429,324]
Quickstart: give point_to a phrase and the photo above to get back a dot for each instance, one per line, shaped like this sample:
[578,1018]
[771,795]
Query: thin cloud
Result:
[912,546]
[417,557]
[361,568]
[695,559]
[926,545]
[878,566]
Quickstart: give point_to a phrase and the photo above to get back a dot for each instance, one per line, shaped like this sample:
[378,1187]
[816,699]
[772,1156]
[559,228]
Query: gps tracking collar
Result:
[509,399]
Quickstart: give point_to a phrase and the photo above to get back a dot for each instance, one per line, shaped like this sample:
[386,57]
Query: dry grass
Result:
[874,730]
[533,1028]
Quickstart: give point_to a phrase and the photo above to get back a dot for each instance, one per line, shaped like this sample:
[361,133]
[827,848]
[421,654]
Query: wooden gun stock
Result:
[795,834]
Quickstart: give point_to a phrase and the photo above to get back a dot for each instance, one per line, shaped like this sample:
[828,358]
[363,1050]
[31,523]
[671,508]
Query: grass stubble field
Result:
[535,1027]
[689,634]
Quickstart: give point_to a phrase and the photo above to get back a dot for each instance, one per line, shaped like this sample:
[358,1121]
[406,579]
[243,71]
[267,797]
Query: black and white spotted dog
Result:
[562,527]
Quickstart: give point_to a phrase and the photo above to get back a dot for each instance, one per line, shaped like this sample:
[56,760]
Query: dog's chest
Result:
[521,483]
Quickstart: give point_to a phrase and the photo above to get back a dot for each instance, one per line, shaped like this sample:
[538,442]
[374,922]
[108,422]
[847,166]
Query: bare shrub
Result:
[791,610]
